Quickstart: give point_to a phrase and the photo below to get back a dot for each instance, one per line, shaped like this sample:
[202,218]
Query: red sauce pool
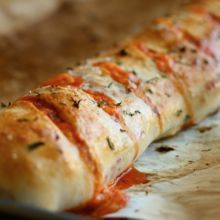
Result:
[112,198]
[130,177]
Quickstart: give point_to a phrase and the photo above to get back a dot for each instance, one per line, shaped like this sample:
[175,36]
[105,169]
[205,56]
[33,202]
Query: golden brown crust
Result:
[37,162]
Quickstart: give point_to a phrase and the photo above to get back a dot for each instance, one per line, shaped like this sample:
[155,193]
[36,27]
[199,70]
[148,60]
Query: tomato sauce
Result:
[112,198]
[106,103]
[125,78]
[215,17]
[212,84]
[163,63]
[130,178]
[64,79]
[203,44]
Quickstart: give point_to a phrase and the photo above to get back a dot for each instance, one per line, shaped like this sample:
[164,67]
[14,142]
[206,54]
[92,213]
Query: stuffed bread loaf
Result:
[71,137]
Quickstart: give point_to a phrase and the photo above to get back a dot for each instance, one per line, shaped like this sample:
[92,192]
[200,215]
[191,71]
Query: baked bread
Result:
[65,141]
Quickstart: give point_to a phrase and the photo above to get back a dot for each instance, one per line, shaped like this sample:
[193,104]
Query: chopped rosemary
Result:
[69,70]
[76,103]
[163,76]
[179,49]
[205,61]
[35,118]
[187,117]
[184,63]
[110,84]
[150,91]
[118,104]
[153,80]
[137,112]
[3,105]
[35,145]
[123,52]
[134,72]
[167,95]
[132,114]
[122,130]
[178,112]
[62,103]
[101,103]
[182,49]
[110,144]
[193,50]
[57,137]
[22,120]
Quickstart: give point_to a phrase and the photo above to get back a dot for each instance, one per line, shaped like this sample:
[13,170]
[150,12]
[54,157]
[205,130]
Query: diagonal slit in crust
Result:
[103,101]
[131,83]
[70,131]
[164,65]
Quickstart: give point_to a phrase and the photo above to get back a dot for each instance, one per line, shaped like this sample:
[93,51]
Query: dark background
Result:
[76,30]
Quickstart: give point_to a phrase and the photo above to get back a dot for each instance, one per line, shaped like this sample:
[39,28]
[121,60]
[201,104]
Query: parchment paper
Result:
[184,174]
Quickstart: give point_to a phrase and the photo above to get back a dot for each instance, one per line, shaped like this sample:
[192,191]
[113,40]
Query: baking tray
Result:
[15,211]
[12,210]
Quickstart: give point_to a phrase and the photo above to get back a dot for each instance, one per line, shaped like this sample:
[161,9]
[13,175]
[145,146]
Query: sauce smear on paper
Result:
[112,198]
